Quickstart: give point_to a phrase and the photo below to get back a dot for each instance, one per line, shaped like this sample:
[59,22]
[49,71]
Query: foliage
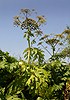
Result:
[20,81]
[36,55]
[59,74]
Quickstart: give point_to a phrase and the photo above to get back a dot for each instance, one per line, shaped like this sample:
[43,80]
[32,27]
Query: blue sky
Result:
[57,13]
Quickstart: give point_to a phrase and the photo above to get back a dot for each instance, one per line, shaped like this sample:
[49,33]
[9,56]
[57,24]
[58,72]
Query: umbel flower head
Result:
[29,23]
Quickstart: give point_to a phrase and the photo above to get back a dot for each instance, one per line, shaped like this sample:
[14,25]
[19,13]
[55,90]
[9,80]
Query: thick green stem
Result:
[53,48]
[29,51]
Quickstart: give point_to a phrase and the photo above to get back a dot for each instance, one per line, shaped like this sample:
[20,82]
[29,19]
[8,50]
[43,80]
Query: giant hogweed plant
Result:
[32,30]
[29,79]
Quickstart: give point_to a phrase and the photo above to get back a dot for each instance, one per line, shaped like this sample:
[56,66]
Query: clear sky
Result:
[57,13]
